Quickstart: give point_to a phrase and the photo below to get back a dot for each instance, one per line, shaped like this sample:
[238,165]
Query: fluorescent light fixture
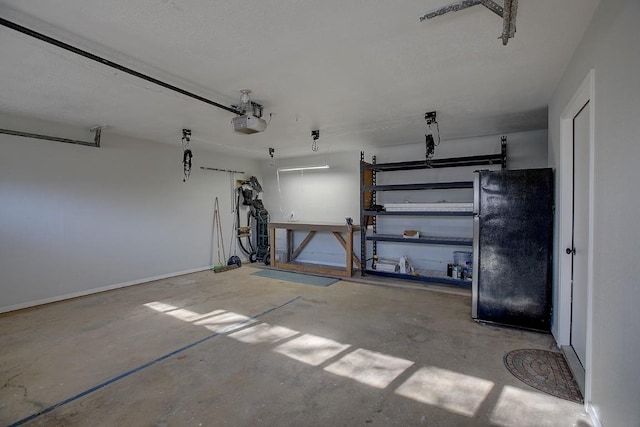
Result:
[302,168]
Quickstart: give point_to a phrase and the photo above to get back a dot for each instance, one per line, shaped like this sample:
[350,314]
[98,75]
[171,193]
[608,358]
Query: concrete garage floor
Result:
[233,349]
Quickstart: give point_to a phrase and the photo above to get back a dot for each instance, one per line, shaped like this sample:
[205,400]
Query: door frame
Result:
[584,94]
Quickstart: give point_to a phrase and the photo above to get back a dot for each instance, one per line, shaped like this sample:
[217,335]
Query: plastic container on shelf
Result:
[462,258]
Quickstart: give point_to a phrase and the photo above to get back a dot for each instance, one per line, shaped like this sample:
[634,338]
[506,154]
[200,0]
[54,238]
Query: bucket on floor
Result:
[462,258]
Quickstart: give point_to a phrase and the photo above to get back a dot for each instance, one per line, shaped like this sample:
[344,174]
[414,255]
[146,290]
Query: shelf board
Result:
[419,213]
[425,276]
[424,240]
[487,159]
[421,186]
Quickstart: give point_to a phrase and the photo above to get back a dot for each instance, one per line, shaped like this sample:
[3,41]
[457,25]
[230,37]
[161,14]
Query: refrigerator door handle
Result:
[476,245]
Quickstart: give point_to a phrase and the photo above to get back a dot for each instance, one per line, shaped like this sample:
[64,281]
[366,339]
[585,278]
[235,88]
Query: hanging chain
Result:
[187,155]
[429,140]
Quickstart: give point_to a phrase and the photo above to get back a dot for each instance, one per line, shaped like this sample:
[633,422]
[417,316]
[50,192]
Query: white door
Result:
[579,251]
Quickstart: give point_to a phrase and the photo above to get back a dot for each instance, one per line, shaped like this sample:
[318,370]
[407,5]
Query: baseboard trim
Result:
[593,414]
[98,290]
[575,366]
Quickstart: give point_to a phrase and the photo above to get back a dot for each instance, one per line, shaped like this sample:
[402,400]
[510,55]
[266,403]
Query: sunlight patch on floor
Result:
[263,333]
[455,392]
[225,322]
[369,367]
[518,407]
[452,391]
[311,349]
[180,313]
[160,306]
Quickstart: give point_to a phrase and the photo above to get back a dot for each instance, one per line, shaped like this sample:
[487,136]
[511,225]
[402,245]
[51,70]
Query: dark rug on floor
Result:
[546,371]
[306,279]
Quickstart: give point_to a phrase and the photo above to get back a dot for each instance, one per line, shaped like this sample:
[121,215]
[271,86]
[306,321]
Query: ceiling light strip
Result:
[103,61]
[302,168]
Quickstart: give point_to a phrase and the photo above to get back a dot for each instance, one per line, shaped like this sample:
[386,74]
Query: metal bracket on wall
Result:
[96,139]
[220,170]
[507,13]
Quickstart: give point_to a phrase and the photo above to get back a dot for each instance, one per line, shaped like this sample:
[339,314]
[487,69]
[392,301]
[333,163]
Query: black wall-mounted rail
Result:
[103,61]
[486,159]
[422,186]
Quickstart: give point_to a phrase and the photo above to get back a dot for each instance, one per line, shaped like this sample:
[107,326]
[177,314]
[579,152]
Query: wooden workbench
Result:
[292,253]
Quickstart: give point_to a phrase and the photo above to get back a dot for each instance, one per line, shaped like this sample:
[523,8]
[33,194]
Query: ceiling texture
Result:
[364,72]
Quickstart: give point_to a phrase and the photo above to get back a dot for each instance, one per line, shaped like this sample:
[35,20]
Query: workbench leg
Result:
[272,247]
[289,250]
[349,250]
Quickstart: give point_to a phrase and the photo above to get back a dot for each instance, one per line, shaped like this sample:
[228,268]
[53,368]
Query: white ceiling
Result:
[364,72]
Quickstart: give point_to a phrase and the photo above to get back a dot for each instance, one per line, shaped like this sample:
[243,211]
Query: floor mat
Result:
[546,371]
[306,279]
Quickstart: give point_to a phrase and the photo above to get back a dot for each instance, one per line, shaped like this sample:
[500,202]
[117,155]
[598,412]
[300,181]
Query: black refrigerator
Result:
[513,238]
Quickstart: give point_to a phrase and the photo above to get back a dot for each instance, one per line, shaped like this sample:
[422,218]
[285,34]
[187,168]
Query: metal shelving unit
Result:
[369,214]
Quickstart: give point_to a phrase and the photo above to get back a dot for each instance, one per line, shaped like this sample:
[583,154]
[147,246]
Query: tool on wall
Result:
[256,232]
[187,155]
[234,259]
[217,230]
[507,13]
[232,174]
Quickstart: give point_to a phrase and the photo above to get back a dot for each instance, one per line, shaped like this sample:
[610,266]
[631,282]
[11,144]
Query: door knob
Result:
[570,251]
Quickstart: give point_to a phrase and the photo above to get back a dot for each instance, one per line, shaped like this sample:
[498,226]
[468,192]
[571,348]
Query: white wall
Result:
[77,219]
[330,195]
[325,195]
[610,46]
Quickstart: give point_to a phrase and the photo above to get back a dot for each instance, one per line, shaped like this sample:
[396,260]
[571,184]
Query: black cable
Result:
[429,147]
[187,155]
[186,161]
[250,243]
